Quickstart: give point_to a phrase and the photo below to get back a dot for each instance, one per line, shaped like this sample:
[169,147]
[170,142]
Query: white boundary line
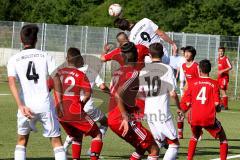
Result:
[229,157]
[3,94]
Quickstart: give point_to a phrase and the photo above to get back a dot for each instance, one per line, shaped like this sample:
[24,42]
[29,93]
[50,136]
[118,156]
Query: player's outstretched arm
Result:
[24,109]
[174,95]
[166,38]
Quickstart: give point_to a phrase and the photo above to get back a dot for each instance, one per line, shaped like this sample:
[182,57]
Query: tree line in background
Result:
[190,16]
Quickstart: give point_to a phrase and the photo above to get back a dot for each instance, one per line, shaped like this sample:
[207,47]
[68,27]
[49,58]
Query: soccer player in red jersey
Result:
[202,99]
[190,70]
[75,120]
[224,66]
[115,54]
[124,88]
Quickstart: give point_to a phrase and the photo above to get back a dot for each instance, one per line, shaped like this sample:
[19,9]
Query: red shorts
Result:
[77,129]
[223,82]
[214,130]
[140,103]
[138,136]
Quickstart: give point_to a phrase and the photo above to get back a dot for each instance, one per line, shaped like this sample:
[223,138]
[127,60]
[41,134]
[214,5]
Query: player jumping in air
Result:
[190,71]
[146,32]
[224,66]
[75,120]
[121,119]
[202,99]
[32,67]
[159,83]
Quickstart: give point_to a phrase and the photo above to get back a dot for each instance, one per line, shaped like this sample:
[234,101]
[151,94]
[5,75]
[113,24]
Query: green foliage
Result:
[201,16]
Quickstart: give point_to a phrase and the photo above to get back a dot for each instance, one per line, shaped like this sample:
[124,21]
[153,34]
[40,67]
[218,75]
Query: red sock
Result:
[76,150]
[96,147]
[225,102]
[180,125]
[191,148]
[223,150]
[135,156]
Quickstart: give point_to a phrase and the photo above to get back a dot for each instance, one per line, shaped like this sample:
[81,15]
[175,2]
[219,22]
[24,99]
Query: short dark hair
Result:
[205,66]
[122,24]
[122,33]
[223,48]
[191,49]
[29,34]
[74,55]
[182,48]
[130,51]
[156,50]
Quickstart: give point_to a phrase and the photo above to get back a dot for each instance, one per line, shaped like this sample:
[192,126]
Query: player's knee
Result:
[22,140]
[98,137]
[154,150]
[56,141]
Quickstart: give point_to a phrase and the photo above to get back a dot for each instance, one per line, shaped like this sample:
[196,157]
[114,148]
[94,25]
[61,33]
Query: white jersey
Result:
[157,80]
[32,68]
[93,78]
[144,32]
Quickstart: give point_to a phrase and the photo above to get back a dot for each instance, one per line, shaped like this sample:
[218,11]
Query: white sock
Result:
[59,153]
[68,142]
[103,129]
[152,158]
[171,153]
[20,153]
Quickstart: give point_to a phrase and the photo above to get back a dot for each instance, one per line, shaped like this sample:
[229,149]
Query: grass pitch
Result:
[39,148]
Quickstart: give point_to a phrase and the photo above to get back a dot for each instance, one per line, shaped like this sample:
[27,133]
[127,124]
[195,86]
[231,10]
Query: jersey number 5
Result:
[202,95]
[31,68]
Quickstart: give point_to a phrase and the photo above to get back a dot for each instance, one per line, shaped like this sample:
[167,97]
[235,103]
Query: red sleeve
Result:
[112,55]
[85,84]
[50,83]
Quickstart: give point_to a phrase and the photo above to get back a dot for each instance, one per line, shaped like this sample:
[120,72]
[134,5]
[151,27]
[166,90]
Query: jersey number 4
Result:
[202,95]
[31,69]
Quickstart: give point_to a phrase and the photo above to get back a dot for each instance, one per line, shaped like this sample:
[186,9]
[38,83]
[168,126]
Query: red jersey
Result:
[202,95]
[191,72]
[73,82]
[125,82]
[115,54]
[223,63]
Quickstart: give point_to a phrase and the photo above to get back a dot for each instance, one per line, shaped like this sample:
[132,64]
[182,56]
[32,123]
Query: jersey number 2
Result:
[31,68]
[72,82]
[202,95]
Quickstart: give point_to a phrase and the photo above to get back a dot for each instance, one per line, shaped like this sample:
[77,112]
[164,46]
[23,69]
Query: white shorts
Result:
[94,113]
[50,124]
[163,129]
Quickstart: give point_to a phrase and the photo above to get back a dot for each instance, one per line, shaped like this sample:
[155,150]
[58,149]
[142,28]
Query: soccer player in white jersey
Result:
[146,32]
[95,113]
[159,84]
[31,68]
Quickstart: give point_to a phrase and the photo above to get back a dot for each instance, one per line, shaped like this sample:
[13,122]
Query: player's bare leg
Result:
[20,150]
[172,151]
[224,99]
[153,151]
[223,145]
[58,149]
[193,143]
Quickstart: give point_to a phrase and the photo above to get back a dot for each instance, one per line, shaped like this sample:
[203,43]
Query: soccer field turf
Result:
[39,148]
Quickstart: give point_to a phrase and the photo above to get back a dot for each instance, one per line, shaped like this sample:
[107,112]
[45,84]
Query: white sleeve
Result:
[181,74]
[11,68]
[51,64]
[172,80]
[152,24]
[98,81]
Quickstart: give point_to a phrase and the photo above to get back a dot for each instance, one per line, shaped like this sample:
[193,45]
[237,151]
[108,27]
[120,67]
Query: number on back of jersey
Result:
[202,95]
[31,72]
